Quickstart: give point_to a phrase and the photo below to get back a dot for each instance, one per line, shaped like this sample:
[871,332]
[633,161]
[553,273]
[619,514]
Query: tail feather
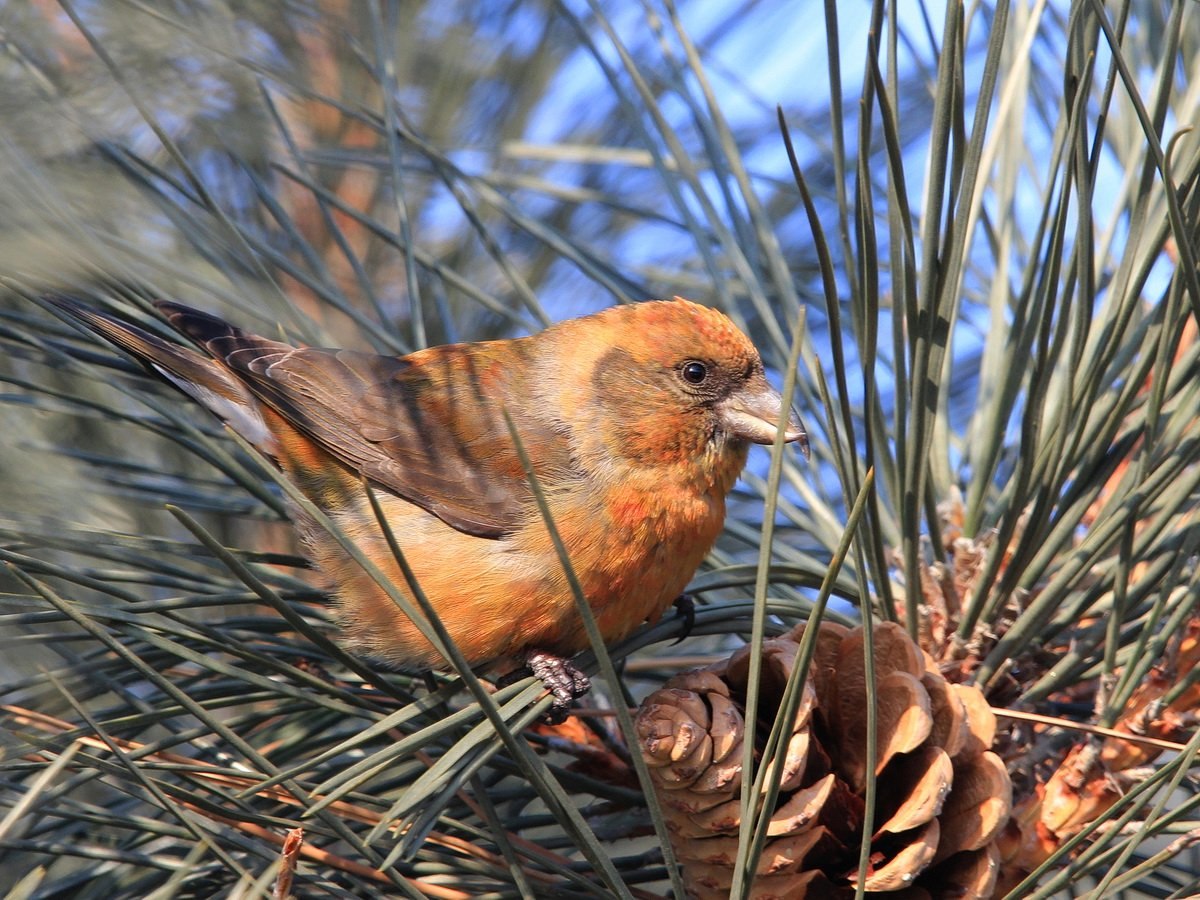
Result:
[205,380]
[148,349]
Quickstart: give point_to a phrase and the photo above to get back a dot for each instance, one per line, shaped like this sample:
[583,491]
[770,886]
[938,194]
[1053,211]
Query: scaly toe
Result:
[562,679]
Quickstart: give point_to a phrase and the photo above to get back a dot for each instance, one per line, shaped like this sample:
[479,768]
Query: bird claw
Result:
[685,608]
[562,679]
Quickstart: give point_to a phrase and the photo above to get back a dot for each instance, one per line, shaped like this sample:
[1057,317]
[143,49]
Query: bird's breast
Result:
[638,550]
[664,514]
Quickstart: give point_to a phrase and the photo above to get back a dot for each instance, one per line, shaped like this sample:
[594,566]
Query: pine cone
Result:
[942,796]
[1088,777]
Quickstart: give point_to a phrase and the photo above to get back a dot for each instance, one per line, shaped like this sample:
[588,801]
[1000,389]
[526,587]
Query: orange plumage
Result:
[637,422]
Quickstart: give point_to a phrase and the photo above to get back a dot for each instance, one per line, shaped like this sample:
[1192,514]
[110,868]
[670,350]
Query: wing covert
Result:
[428,426]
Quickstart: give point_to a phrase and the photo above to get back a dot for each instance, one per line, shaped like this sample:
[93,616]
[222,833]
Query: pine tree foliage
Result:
[976,226]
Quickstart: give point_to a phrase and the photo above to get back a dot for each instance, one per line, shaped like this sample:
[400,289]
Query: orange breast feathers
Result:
[636,421]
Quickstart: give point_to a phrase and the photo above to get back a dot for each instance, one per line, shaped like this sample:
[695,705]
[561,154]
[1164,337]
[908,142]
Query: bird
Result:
[636,422]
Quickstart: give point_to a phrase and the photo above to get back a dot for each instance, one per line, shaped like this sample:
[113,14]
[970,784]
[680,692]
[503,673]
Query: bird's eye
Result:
[694,372]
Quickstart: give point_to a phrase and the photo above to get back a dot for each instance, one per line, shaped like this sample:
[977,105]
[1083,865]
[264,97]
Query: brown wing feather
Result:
[427,426]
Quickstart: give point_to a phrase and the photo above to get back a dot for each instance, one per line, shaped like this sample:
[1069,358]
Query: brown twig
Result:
[292,845]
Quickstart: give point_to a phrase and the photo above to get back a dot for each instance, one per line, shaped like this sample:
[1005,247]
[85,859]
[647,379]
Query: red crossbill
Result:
[636,421]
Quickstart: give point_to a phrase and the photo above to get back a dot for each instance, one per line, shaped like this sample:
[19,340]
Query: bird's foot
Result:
[685,608]
[565,682]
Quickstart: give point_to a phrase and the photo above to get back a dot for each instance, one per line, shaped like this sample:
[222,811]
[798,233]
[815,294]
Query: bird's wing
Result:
[429,426]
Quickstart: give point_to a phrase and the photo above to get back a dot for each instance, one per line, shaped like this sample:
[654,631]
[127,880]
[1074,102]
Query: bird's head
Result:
[673,383]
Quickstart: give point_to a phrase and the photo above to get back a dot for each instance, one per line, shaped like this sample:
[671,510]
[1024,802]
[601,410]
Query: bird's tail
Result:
[205,380]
